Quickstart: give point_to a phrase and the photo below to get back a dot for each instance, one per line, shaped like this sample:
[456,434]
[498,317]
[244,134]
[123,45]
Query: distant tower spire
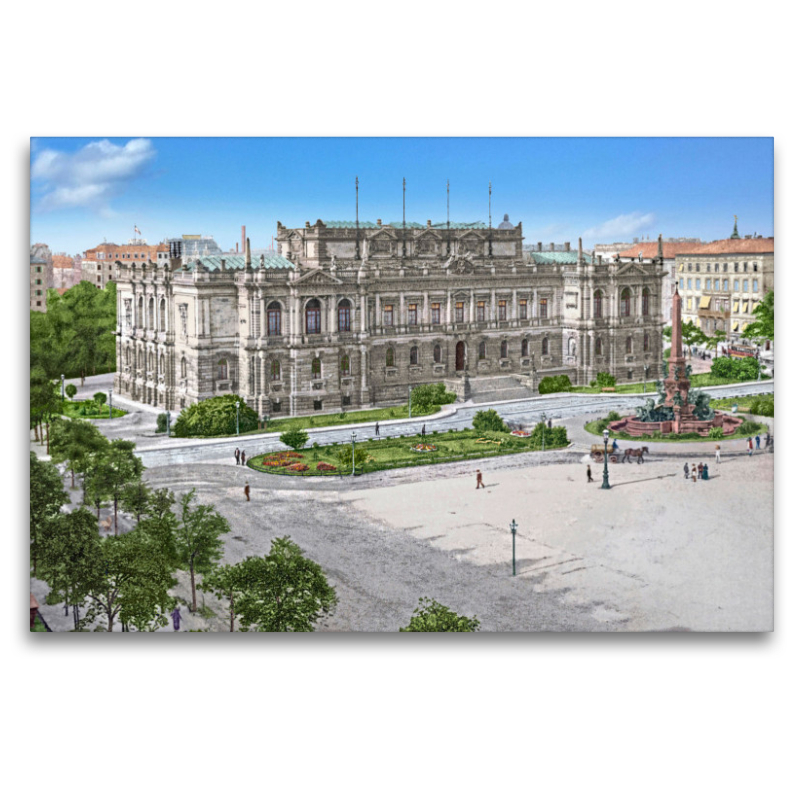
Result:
[357,255]
[735,234]
[490,218]
[404,217]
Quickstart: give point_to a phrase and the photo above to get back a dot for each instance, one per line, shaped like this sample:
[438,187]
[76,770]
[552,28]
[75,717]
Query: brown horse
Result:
[637,454]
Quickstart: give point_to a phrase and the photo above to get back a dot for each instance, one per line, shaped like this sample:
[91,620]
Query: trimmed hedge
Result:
[555,383]
[216,417]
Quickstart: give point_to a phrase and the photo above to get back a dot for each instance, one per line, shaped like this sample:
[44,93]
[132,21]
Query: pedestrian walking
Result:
[686,471]
[614,446]
[589,478]
[717,453]
[694,473]
[750,446]
[176,619]
[243,458]
[768,440]
[549,423]
[236,453]
[247,491]
[423,429]
[479,484]
[377,429]
[758,442]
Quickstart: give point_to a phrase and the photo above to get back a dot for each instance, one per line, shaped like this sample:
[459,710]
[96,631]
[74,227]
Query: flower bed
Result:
[520,433]
[424,448]
[298,467]
[324,467]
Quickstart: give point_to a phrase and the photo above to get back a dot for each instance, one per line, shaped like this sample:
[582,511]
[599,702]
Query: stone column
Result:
[449,319]
[378,312]
[332,326]
[363,313]
[402,311]
[513,315]
[471,305]
[425,314]
[493,310]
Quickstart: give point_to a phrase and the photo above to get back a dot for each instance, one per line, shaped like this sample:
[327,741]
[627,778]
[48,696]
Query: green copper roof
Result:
[214,263]
[557,257]
[454,226]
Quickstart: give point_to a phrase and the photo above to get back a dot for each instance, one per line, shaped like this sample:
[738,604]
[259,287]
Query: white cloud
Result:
[620,228]
[92,175]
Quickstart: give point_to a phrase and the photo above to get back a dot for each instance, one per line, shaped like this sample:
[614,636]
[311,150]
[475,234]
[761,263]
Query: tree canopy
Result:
[763,329]
[47,497]
[432,617]
[215,416]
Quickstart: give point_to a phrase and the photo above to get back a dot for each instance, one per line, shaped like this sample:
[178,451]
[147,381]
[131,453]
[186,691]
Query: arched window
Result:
[344,316]
[316,368]
[344,365]
[140,313]
[504,349]
[183,367]
[414,356]
[390,357]
[222,370]
[151,313]
[162,307]
[598,304]
[161,363]
[646,342]
[524,347]
[629,345]
[625,303]
[598,346]
[482,351]
[437,354]
[274,319]
[545,346]
[275,370]
[313,313]
[128,355]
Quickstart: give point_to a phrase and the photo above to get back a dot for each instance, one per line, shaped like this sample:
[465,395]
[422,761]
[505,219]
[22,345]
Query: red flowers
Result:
[323,467]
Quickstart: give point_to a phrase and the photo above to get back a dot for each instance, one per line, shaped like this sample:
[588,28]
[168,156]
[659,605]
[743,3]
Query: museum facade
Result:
[350,315]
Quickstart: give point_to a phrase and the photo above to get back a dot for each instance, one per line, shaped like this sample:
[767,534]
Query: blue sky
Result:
[604,189]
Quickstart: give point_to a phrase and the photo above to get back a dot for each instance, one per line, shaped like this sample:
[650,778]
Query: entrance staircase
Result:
[493,388]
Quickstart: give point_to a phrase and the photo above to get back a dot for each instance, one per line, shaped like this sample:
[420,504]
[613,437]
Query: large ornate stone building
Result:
[353,315]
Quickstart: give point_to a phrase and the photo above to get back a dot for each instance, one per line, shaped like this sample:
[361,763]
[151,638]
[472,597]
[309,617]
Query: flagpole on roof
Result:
[404,217]
[448,216]
[490,218]
[357,255]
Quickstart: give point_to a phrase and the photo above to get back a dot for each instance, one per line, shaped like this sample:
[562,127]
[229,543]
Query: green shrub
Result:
[715,433]
[667,352]
[748,426]
[553,437]
[161,423]
[489,420]
[392,413]
[735,369]
[613,416]
[763,407]
[294,438]
[216,417]
[555,383]
[426,397]
[71,390]
[99,398]
[605,379]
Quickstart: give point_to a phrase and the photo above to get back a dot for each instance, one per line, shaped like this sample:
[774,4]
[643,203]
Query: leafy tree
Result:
[426,397]
[716,338]
[47,497]
[117,468]
[199,546]
[71,390]
[227,582]
[100,398]
[70,558]
[433,617]
[488,420]
[161,423]
[160,524]
[344,455]
[295,438]
[135,499]
[763,329]
[74,441]
[45,402]
[283,591]
[215,416]
[690,333]
[129,581]
[553,437]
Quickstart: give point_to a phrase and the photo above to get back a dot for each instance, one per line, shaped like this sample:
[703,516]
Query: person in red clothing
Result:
[479,484]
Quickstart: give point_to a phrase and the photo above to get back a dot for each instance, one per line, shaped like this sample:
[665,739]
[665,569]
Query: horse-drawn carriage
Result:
[619,455]
[597,453]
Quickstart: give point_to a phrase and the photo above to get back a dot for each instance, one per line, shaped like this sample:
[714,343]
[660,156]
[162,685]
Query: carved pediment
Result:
[631,267]
[383,233]
[318,277]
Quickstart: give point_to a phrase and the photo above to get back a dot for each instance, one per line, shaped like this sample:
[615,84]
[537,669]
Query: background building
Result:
[67,270]
[41,266]
[100,264]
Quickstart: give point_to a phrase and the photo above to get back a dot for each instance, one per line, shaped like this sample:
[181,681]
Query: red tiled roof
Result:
[63,262]
[730,247]
[61,291]
[650,249]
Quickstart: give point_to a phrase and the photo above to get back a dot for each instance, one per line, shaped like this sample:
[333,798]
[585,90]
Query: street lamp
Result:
[409,402]
[544,428]
[513,547]
[110,403]
[606,484]
[353,438]
[62,387]
[169,419]
[237,417]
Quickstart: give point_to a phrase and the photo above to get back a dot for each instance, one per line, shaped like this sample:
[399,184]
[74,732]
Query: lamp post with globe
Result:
[237,417]
[606,484]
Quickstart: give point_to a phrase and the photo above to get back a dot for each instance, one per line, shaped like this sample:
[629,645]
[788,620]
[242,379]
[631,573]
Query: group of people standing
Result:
[698,471]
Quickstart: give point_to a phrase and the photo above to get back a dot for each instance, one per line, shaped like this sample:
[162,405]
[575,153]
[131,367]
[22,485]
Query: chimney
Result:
[580,249]
[539,247]
[552,247]
[237,247]
[247,253]
[660,248]
[429,223]
[379,222]
[243,238]
[566,246]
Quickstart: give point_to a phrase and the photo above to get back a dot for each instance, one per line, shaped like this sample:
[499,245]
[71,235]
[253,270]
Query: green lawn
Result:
[72,409]
[743,402]
[596,427]
[395,453]
[698,382]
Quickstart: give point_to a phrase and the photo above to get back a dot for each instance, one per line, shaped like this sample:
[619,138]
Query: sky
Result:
[87,190]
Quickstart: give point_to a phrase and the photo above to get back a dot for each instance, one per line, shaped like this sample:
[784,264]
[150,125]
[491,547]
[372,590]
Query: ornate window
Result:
[598,304]
[275,370]
[524,347]
[274,319]
[316,368]
[744,285]
[545,346]
[716,285]
[390,357]
[629,345]
[469,244]
[482,351]
[543,308]
[162,314]
[222,370]
[437,354]
[128,314]
[151,313]
[523,309]
[646,342]
[598,346]
[480,311]
[381,245]
[344,365]
[414,356]
[646,300]
[161,364]
[502,311]
[388,316]
[344,316]
[140,313]
[504,349]
[183,367]
[412,313]
[313,313]
[436,313]
[459,312]
[625,303]
[426,245]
